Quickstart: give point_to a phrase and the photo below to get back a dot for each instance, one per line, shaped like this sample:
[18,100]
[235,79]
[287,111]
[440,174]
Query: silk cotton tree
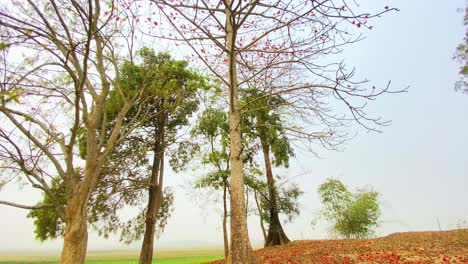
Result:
[58,66]
[247,42]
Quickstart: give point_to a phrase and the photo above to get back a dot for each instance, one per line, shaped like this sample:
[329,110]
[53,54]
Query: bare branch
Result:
[28,207]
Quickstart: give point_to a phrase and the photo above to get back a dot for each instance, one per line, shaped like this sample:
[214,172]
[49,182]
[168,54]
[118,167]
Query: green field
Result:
[158,261]
[183,256]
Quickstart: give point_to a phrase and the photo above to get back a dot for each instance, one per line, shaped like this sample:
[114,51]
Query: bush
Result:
[354,215]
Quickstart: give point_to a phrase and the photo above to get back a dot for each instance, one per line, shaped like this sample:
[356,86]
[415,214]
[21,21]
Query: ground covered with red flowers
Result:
[402,248]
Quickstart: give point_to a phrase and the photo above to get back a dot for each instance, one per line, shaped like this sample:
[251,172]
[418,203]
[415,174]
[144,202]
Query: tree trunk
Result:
[76,232]
[225,235]
[75,240]
[262,226]
[241,251]
[276,234]
[155,193]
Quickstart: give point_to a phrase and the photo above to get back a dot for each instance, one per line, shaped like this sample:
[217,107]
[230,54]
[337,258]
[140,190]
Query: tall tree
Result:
[127,170]
[212,127]
[250,42]
[59,64]
[262,116]
[170,100]
[212,130]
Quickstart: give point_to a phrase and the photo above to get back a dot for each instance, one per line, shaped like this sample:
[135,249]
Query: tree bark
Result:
[225,235]
[155,193]
[276,234]
[76,232]
[241,251]
[78,192]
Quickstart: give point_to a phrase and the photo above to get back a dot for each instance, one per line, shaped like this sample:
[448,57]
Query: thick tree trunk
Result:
[155,194]
[225,235]
[276,234]
[76,232]
[241,251]
[76,218]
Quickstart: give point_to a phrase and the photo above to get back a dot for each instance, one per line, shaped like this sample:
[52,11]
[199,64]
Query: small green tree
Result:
[354,215]
[263,119]
[213,130]
[287,199]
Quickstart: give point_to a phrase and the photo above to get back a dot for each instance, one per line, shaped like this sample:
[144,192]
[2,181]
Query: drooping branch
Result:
[28,207]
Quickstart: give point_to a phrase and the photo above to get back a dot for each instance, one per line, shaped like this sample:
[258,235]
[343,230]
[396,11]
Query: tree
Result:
[263,122]
[125,174]
[170,100]
[461,55]
[212,127]
[287,196]
[58,67]
[252,42]
[354,215]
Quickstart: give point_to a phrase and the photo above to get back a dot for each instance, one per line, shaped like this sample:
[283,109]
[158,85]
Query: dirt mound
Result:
[399,248]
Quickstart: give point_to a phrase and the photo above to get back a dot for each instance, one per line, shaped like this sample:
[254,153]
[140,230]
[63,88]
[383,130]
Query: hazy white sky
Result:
[419,164]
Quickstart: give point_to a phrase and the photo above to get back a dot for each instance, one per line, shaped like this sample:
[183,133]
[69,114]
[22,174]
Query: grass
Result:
[182,256]
[158,261]
[164,261]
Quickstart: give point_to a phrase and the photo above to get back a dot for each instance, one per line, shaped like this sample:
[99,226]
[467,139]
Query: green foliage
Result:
[264,120]
[213,131]
[81,135]
[354,215]
[216,180]
[134,228]
[122,183]
[182,154]
[335,196]
[288,200]
[48,224]
[164,84]
[161,85]
[4,45]
[461,55]
[287,196]
[168,92]
[11,95]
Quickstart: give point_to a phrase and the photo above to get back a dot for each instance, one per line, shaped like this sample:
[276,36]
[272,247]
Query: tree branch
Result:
[28,207]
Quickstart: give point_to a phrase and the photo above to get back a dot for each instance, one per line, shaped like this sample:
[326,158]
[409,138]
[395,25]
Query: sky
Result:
[419,164]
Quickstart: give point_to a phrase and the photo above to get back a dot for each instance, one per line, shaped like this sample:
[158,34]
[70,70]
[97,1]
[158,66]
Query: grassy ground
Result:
[182,256]
[445,247]
[160,261]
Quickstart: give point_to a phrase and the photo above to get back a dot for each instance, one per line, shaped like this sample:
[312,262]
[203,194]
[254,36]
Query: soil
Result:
[400,248]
